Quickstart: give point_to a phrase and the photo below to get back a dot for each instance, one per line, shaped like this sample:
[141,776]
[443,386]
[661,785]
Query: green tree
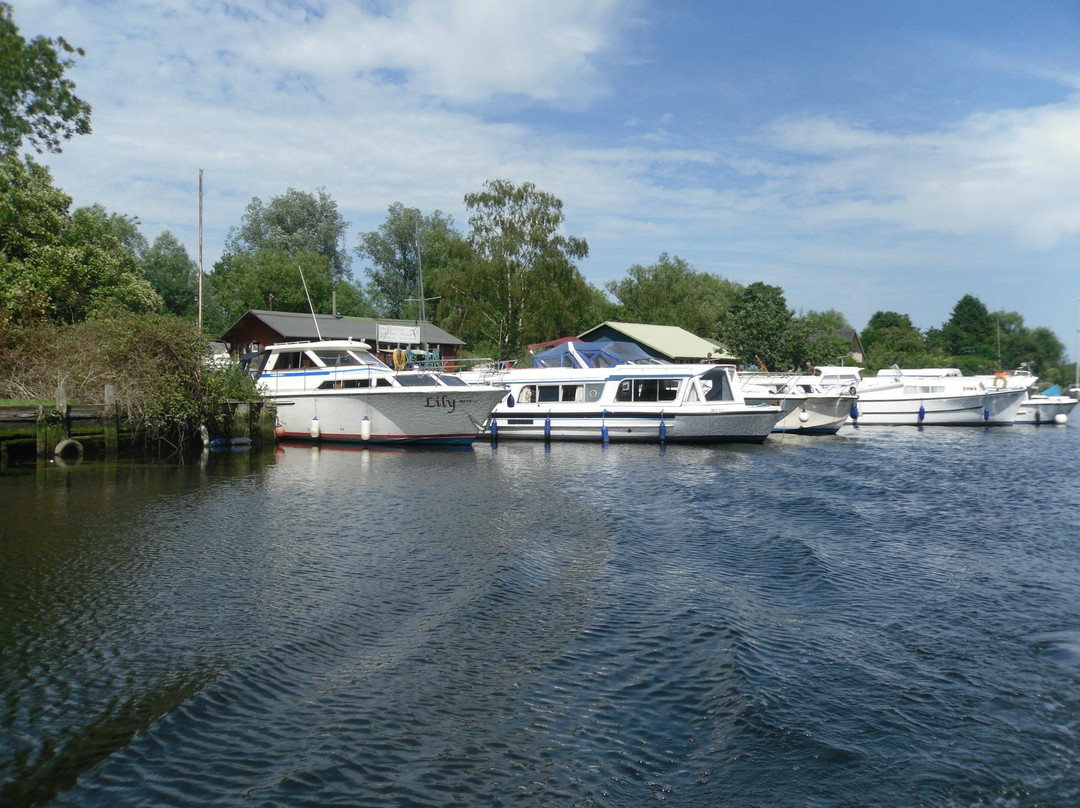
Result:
[970,331]
[890,338]
[59,266]
[758,328]
[271,279]
[174,276]
[1048,358]
[37,102]
[104,272]
[817,331]
[514,282]
[888,325]
[295,223]
[671,292]
[396,264]
[33,215]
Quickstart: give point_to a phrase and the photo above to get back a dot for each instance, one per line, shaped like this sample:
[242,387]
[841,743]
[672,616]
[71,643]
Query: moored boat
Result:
[646,402]
[1047,407]
[809,408]
[337,390]
[925,397]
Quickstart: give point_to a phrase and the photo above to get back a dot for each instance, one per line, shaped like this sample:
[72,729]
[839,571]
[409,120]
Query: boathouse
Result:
[257,328]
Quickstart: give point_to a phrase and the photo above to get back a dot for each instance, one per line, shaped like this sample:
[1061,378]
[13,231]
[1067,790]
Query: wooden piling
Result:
[110,419]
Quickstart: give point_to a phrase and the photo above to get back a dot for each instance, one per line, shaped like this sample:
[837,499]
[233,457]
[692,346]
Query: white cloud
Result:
[1013,172]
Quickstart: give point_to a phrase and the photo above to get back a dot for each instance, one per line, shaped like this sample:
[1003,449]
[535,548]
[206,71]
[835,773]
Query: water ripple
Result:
[827,622]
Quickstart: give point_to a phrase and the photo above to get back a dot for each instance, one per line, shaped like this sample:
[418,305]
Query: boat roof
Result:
[578,354]
[933,373]
[348,344]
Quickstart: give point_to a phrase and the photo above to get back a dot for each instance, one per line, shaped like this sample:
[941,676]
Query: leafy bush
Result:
[159,366]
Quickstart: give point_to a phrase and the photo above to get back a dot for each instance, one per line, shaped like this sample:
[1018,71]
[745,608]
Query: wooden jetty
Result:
[66,431]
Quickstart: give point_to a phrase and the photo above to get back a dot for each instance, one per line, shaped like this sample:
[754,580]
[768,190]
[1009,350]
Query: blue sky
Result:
[864,156]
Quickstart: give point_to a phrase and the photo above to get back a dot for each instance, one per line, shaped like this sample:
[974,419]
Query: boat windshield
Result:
[716,386]
[253,363]
[417,379]
[450,380]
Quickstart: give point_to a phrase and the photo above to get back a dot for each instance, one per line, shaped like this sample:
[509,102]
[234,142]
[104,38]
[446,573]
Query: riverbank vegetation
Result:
[158,366]
[510,279]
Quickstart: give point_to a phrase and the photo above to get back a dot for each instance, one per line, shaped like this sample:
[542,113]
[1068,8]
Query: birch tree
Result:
[515,282]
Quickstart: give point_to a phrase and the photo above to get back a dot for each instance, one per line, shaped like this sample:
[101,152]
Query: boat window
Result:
[335,357]
[646,389]
[548,392]
[286,361]
[593,391]
[347,384]
[527,394]
[450,380]
[573,392]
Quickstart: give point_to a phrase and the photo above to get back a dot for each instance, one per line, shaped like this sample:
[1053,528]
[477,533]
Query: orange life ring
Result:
[1002,379]
[399,359]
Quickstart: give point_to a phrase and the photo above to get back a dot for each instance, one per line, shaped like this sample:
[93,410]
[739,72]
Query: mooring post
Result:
[53,425]
[241,420]
[110,422]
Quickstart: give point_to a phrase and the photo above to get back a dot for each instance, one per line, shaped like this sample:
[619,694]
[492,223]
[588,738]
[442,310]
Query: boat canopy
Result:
[593,355]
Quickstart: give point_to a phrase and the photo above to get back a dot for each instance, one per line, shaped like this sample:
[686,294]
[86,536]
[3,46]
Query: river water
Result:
[886,617]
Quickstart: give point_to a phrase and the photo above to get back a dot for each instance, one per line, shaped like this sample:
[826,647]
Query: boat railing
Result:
[453,365]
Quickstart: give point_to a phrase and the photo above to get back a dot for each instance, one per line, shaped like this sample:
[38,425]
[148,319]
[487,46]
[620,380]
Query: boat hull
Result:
[1045,410]
[398,416]
[682,425]
[814,414]
[892,408]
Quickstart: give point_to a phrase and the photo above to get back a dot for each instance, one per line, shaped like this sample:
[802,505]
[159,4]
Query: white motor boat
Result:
[1047,407]
[617,398]
[809,408]
[925,397]
[337,390]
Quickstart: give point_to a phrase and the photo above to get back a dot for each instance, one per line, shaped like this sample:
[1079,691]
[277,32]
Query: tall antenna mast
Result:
[308,296]
[420,283]
[199,318]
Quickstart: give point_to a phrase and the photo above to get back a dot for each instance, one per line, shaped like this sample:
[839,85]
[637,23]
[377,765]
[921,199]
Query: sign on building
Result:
[402,334]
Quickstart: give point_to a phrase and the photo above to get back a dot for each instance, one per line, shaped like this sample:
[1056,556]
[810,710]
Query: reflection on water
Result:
[842,620]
